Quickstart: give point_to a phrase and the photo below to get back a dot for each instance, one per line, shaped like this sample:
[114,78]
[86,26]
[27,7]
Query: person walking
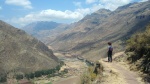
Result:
[110,50]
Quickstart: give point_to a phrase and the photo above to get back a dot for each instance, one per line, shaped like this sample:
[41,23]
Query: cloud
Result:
[90,1]
[68,16]
[51,15]
[78,4]
[0,8]
[23,3]
[115,2]
[108,4]
[143,0]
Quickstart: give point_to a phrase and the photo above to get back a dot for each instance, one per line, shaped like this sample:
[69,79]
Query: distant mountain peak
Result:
[100,14]
[40,25]
[44,29]
[125,6]
[44,22]
[101,11]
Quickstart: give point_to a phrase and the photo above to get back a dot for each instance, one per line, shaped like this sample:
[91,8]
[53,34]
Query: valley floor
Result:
[74,67]
[117,72]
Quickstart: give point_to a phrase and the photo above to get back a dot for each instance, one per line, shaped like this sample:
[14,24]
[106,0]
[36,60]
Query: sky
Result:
[22,12]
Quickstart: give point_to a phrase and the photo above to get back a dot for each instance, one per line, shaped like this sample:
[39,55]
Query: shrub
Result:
[3,78]
[58,67]
[139,44]
[38,73]
[19,77]
[29,76]
[88,76]
[49,72]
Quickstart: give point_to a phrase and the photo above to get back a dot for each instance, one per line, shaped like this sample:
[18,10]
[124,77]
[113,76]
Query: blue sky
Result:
[22,12]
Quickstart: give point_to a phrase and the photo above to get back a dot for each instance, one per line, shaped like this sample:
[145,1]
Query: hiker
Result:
[110,49]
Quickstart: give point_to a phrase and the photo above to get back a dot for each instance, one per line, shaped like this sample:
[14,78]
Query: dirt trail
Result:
[118,73]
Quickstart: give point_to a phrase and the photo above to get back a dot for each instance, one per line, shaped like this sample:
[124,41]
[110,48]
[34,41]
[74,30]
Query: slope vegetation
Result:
[21,53]
[138,50]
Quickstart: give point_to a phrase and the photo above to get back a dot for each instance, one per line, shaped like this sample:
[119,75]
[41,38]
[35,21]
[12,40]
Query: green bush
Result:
[49,72]
[38,73]
[19,77]
[62,63]
[139,44]
[29,76]
[3,78]
[58,68]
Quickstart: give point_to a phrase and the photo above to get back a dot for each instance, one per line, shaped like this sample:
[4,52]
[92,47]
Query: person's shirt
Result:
[110,48]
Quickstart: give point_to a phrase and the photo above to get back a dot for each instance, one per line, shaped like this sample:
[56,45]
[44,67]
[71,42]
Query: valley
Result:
[47,52]
[74,67]
[89,36]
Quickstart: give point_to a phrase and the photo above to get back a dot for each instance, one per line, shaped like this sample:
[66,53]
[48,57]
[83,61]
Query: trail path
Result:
[118,73]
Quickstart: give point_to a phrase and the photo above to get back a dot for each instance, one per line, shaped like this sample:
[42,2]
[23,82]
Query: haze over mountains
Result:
[45,30]
[89,36]
[21,53]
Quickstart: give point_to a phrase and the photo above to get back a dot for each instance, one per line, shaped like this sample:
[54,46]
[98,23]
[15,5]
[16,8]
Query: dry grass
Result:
[21,53]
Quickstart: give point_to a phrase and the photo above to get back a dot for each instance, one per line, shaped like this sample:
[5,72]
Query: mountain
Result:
[44,30]
[89,36]
[21,53]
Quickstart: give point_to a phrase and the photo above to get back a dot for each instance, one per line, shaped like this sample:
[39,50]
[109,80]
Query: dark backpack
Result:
[110,48]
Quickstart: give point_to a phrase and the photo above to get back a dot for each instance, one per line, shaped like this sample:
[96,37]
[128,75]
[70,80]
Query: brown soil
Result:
[118,72]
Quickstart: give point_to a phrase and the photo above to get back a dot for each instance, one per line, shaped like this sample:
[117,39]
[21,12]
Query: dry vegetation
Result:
[88,76]
[138,50]
[21,53]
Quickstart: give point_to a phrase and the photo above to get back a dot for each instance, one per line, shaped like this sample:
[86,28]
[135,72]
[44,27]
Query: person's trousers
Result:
[109,57]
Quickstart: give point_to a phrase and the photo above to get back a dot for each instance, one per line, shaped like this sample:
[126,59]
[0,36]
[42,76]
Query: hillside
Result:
[21,53]
[89,36]
[45,30]
[138,51]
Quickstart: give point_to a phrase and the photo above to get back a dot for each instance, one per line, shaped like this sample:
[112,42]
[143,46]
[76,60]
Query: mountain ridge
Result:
[21,53]
[88,39]
[90,35]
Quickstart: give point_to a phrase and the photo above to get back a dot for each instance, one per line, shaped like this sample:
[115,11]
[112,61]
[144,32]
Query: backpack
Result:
[110,48]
